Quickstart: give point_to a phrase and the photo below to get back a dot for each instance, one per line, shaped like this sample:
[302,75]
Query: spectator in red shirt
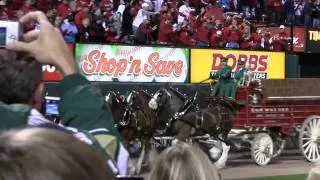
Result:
[202,32]
[284,39]
[184,37]
[166,32]
[209,10]
[80,4]
[84,13]
[276,46]
[216,40]
[256,37]
[42,5]
[232,35]
[63,10]
[275,7]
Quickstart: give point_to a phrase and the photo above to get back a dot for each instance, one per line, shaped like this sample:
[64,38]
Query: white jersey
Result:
[139,18]
[185,11]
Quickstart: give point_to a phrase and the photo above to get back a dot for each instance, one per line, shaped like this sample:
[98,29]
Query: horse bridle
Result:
[160,103]
[133,114]
[122,122]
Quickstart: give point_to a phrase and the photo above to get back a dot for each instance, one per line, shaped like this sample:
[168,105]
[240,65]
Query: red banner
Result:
[299,39]
[299,36]
[51,73]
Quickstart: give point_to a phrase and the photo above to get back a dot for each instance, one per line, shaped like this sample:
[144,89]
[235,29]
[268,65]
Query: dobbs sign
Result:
[265,65]
[132,63]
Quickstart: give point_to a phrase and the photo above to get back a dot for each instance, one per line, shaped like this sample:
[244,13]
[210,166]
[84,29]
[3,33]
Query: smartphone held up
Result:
[9,31]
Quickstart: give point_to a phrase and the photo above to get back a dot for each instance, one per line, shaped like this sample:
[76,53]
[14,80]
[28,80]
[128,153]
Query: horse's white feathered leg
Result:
[140,160]
[131,166]
[221,162]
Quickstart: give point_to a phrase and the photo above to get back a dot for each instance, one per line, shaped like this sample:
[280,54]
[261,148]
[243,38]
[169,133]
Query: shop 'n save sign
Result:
[51,73]
[132,63]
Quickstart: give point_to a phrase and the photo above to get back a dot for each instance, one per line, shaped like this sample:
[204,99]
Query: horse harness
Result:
[131,115]
[178,115]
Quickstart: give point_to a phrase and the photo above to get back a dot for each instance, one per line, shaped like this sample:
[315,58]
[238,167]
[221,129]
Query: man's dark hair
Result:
[19,77]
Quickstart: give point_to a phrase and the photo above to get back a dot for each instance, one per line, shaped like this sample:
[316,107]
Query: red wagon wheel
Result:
[309,138]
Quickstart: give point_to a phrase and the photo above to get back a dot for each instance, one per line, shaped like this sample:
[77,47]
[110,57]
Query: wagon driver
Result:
[225,85]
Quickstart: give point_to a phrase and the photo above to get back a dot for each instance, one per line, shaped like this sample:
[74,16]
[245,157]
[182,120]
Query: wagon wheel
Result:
[262,149]
[309,138]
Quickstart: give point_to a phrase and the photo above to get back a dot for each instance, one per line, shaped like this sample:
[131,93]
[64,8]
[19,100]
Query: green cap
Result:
[224,59]
[241,62]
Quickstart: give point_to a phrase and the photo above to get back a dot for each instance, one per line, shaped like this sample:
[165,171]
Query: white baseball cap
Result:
[282,27]
[144,5]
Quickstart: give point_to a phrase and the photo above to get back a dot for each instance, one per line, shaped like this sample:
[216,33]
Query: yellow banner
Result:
[265,65]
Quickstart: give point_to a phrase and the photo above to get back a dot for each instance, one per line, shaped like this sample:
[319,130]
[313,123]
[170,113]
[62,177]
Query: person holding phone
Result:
[82,109]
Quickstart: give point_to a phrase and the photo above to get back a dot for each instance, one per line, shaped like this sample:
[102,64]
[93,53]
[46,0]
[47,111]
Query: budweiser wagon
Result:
[274,110]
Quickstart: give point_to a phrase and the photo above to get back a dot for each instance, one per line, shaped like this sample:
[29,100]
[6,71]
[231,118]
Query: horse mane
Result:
[177,93]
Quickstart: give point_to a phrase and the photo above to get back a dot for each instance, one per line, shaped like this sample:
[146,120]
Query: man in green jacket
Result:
[238,75]
[223,87]
[81,107]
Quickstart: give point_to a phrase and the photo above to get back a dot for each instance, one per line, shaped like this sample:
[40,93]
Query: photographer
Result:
[81,107]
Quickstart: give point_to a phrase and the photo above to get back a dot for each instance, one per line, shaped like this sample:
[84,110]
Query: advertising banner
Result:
[313,40]
[51,73]
[265,65]
[132,63]
[299,36]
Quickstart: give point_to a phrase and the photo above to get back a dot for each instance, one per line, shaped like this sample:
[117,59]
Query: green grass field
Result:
[291,177]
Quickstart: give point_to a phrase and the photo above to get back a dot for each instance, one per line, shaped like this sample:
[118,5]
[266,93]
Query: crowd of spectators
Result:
[200,23]
[90,147]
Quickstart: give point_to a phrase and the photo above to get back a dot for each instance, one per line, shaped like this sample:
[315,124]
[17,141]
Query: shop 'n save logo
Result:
[97,63]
